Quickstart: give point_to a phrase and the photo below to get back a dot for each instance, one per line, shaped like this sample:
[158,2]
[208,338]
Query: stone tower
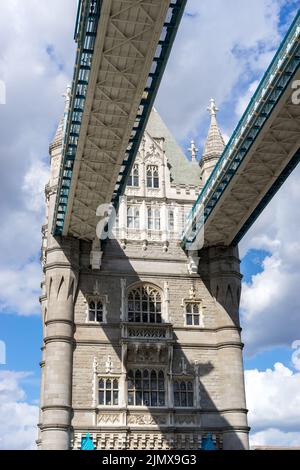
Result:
[142,345]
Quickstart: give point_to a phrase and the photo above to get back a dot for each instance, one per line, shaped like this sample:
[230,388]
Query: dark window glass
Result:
[183,393]
[146,388]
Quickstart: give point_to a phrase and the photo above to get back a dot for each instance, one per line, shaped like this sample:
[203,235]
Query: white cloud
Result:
[243,101]
[296,355]
[228,49]
[273,401]
[36,63]
[275,437]
[273,398]
[34,184]
[20,289]
[270,303]
[20,239]
[18,419]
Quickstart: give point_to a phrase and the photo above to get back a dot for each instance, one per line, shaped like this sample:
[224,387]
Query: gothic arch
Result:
[144,303]
[142,284]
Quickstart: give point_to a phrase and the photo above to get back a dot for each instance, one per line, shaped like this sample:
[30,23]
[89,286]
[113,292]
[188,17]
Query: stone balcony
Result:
[147,332]
[147,343]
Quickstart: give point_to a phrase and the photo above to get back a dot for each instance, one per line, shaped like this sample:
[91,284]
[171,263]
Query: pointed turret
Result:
[214,145]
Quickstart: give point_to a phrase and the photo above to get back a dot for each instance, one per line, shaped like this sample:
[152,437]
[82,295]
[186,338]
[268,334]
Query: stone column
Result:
[143,221]
[123,218]
[61,284]
[123,382]
[220,271]
[164,224]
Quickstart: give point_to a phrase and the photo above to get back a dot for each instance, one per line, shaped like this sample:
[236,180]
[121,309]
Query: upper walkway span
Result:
[262,152]
[123,48]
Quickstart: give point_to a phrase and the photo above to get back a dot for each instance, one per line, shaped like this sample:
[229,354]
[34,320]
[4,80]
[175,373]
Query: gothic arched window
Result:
[144,305]
[183,393]
[133,179]
[146,387]
[96,311]
[152,176]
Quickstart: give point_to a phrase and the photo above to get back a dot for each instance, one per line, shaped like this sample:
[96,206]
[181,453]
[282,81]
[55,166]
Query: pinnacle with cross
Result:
[193,149]
[214,145]
[212,109]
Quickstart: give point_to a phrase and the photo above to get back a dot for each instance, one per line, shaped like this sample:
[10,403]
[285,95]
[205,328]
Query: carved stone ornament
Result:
[107,418]
[186,420]
[146,420]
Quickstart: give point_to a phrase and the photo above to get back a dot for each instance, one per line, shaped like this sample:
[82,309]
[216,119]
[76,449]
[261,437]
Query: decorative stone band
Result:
[56,407]
[63,339]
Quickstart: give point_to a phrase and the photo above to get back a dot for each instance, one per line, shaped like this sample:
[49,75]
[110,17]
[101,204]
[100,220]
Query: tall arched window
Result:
[146,388]
[152,176]
[144,305]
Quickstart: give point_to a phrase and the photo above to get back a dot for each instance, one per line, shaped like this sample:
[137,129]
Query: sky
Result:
[222,50]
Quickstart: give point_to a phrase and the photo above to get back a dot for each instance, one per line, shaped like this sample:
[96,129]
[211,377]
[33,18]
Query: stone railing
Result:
[142,331]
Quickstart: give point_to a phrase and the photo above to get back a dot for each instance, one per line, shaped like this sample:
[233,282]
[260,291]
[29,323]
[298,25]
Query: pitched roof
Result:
[183,171]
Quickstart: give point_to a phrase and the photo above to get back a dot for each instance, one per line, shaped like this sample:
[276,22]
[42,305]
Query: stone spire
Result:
[214,145]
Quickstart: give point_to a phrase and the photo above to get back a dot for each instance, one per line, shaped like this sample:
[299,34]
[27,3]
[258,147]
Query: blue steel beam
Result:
[272,87]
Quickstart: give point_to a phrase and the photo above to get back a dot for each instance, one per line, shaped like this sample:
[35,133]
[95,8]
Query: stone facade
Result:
[142,344]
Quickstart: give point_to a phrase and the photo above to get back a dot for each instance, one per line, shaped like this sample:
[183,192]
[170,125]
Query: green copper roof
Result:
[183,171]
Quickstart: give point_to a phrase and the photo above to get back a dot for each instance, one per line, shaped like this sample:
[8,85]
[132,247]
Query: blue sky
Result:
[228,70]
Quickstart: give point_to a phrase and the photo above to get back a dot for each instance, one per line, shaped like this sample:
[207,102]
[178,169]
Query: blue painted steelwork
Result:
[160,60]
[274,83]
[85,34]
[208,443]
[87,443]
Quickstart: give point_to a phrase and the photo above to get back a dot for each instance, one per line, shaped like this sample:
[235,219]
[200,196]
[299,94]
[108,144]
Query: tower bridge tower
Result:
[142,346]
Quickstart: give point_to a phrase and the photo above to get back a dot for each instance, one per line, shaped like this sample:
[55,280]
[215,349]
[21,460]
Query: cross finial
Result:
[212,109]
[193,149]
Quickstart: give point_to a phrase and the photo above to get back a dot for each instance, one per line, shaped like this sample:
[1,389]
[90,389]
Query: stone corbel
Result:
[96,255]
[193,262]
